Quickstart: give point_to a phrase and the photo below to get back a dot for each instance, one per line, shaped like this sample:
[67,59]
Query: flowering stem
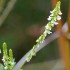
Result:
[53,18]
[8,60]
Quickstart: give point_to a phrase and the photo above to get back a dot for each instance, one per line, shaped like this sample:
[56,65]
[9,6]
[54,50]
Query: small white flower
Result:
[59,17]
[3,59]
[45,32]
[6,67]
[28,59]
[37,40]
[33,53]
[49,32]
[12,63]
[60,13]
[49,18]
[51,15]
[52,21]
[52,25]
[52,11]
[55,23]
[55,19]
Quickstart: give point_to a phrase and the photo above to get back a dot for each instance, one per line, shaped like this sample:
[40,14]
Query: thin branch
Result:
[7,10]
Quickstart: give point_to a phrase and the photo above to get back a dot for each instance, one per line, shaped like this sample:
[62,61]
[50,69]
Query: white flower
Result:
[28,58]
[37,40]
[49,18]
[59,17]
[48,27]
[45,32]
[49,32]
[55,23]
[33,53]
[6,67]
[51,11]
[55,19]
[52,25]
[51,14]
[0,50]
[12,63]
[3,59]
[60,13]
[52,21]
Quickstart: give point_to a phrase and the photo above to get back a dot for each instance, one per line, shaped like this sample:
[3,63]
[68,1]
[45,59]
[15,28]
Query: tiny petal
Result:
[52,21]
[55,19]
[60,13]
[48,27]
[13,63]
[37,40]
[6,67]
[45,32]
[28,59]
[49,18]
[51,15]
[59,17]
[3,59]
[51,11]
[33,53]
[55,23]
[49,32]
[52,25]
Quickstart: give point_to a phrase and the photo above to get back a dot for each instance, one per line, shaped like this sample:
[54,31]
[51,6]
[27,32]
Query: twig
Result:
[7,10]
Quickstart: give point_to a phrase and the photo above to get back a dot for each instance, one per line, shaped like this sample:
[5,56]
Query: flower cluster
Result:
[32,53]
[8,60]
[53,18]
